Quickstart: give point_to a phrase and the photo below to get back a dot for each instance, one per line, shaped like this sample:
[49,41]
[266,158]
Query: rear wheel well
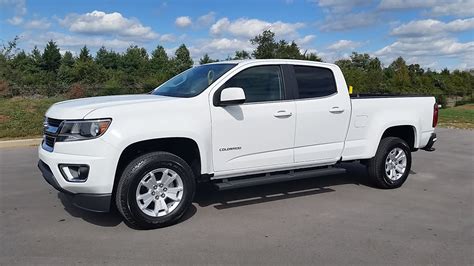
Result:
[186,149]
[407,133]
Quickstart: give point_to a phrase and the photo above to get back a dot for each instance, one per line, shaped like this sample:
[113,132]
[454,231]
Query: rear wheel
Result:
[155,190]
[392,163]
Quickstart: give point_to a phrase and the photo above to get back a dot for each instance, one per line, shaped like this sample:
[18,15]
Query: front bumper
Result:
[95,192]
[86,201]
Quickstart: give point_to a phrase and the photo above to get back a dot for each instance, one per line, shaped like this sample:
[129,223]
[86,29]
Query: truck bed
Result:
[373,113]
[384,95]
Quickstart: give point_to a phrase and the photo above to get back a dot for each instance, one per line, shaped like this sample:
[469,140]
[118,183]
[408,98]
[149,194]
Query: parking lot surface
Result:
[324,220]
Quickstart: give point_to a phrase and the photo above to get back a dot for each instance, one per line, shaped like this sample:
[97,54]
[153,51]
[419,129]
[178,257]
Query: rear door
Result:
[323,115]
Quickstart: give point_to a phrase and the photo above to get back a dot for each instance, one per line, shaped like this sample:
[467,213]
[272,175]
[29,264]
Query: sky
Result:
[433,33]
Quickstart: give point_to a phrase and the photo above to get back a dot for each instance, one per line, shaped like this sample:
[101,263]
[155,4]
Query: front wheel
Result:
[155,190]
[391,165]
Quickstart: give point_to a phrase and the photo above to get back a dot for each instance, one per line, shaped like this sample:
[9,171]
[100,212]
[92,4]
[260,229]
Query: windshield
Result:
[192,81]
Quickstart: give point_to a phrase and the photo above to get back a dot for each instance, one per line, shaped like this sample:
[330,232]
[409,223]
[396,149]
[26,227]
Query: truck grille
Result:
[49,141]
[53,122]
[51,128]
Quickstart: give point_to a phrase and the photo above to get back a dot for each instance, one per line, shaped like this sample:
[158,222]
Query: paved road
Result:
[329,220]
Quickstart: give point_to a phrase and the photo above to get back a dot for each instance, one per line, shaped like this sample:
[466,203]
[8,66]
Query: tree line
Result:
[50,72]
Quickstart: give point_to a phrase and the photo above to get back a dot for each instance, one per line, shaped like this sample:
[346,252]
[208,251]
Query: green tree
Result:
[266,45]
[37,57]
[65,73]
[374,81]
[84,54]
[51,57]
[87,72]
[159,59]
[401,78]
[134,67]
[182,60]
[242,55]
[67,59]
[312,57]
[25,75]
[286,50]
[135,60]
[159,67]
[206,60]
[107,59]
[361,61]
[9,49]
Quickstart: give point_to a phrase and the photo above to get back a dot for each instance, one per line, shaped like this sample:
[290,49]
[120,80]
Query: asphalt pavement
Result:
[325,220]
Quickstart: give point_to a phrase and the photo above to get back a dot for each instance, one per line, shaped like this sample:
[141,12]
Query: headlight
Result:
[83,129]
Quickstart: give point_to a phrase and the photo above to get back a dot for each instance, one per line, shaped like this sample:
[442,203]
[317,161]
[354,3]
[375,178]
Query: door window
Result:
[314,81]
[260,84]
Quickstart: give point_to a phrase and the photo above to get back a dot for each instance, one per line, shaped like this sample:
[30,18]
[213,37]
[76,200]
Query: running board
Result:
[276,178]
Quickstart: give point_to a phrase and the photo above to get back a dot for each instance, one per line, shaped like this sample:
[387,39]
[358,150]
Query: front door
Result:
[259,133]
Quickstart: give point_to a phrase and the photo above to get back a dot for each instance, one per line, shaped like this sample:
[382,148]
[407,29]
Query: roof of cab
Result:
[274,61]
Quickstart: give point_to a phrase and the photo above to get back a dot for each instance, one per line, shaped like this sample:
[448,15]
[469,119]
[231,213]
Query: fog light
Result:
[74,172]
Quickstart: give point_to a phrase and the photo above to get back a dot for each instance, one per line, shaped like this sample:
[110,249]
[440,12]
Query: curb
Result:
[19,143]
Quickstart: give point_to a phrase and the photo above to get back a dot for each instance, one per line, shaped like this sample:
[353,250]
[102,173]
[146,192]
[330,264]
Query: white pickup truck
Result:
[236,124]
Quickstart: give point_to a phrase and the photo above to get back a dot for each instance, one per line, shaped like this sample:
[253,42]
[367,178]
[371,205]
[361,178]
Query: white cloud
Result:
[429,42]
[444,46]
[463,8]
[37,24]
[340,14]
[305,40]
[344,45]
[19,6]
[183,22]
[460,8]
[74,42]
[15,21]
[342,6]
[219,48]
[206,20]
[430,27]
[349,22]
[167,38]
[98,22]
[225,44]
[427,50]
[406,4]
[249,28]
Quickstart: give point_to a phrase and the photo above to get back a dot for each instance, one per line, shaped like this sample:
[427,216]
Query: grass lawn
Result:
[23,117]
[457,117]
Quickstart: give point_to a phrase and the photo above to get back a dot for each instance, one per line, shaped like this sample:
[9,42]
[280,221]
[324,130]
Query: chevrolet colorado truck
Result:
[235,124]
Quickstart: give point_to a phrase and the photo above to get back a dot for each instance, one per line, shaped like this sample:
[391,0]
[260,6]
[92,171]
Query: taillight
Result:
[435,114]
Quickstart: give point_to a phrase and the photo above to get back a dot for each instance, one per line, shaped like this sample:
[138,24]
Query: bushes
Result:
[4,88]
[76,91]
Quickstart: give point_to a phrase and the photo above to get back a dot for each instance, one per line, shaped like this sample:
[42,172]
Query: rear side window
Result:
[260,84]
[314,81]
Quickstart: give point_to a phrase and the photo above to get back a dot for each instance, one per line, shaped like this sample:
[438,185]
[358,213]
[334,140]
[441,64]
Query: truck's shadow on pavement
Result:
[101,219]
[207,196]
[110,219]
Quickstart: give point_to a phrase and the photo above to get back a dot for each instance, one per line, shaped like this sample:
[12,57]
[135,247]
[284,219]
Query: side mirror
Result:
[231,96]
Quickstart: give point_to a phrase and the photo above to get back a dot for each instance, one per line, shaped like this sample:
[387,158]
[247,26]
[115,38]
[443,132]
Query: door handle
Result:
[336,110]
[282,113]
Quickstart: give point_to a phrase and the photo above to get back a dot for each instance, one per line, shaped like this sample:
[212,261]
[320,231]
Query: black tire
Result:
[376,165]
[126,198]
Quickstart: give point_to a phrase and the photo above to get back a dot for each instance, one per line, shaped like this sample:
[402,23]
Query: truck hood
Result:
[78,109]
